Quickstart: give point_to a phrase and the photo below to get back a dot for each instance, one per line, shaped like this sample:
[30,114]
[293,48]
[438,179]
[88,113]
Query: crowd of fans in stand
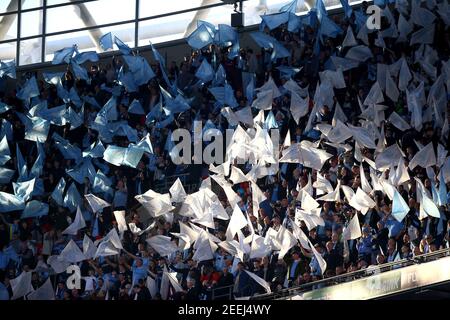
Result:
[25,244]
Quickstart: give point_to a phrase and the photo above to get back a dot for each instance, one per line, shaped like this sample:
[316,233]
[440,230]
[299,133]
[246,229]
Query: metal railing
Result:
[285,293]
[222,293]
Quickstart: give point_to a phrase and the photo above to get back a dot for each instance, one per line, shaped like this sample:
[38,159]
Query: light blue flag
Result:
[275,20]
[75,98]
[158,57]
[360,19]
[347,8]
[64,55]
[177,105]
[225,35]
[34,209]
[435,194]
[321,10]
[122,46]
[86,56]
[126,79]
[102,184]
[4,107]
[108,112]
[138,66]
[294,23]
[21,165]
[443,197]
[11,253]
[54,115]
[29,90]
[162,66]
[329,28]
[310,19]
[79,72]
[220,77]
[72,199]
[5,154]
[268,42]
[8,69]
[91,101]
[399,207]
[62,93]
[270,122]
[6,175]
[119,156]
[205,72]
[95,150]
[38,166]
[25,190]
[230,99]
[73,118]
[67,150]
[155,113]
[200,38]
[37,130]
[136,107]
[145,144]
[10,202]
[53,77]
[6,129]
[58,193]
[124,130]
[287,72]
[291,6]
[106,41]
[82,171]
[210,26]
[164,123]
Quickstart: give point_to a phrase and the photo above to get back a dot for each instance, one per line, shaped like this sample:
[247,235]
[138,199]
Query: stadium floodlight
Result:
[237,18]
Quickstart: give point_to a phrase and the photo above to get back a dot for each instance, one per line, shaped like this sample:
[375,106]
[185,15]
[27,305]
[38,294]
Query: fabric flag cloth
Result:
[6,175]
[263,283]
[106,41]
[33,209]
[163,245]
[21,285]
[124,49]
[237,222]
[399,206]
[205,72]
[64,55]
[77,224]
[177,192]
[29,90]
[424,158]
[44,292]
[72,253]
[121,223]
[96,203]
[10,202]
[5,154]
[353,230]
[8,68]
[58,193]
[135,107]
[72,198]
[119,156]
[200,38]
[321,261]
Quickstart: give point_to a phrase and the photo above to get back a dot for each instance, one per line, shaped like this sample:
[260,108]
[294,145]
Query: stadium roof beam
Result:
[7,20]
[88,20]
